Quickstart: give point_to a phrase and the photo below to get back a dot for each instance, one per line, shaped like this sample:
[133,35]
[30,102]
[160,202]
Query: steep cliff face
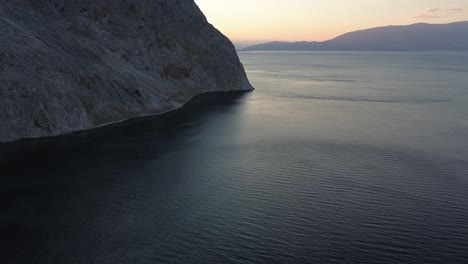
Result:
[69,65]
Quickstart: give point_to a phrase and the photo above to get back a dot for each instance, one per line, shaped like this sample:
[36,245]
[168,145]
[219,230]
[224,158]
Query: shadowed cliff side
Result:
[70,65]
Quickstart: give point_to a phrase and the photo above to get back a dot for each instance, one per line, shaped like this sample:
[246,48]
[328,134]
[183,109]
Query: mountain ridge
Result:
[414,37]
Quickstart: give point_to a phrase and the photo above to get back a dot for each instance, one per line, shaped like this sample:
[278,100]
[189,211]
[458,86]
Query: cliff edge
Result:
[71,65]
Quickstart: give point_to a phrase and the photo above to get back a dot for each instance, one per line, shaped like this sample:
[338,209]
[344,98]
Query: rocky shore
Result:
[72,65]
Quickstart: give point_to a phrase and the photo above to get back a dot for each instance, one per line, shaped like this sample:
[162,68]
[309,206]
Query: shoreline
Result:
[202,98]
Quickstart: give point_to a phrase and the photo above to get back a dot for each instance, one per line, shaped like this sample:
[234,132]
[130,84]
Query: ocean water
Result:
[337,157]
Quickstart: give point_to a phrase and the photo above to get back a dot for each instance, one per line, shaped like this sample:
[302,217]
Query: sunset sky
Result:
[251,21]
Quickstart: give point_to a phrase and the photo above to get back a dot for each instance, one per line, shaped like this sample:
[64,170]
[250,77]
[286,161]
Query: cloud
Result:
[432,13]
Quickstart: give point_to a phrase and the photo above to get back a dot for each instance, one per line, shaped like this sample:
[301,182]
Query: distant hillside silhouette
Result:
[416,37]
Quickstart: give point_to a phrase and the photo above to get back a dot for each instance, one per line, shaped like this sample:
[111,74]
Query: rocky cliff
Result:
[70,65]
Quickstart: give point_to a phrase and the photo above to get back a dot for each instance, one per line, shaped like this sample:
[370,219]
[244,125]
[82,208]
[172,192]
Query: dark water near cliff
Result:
[335,158]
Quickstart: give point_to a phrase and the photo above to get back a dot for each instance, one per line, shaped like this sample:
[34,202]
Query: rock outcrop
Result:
[71,65]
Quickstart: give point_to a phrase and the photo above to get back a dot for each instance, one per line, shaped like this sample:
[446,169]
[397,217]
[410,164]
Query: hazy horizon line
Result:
[242,43]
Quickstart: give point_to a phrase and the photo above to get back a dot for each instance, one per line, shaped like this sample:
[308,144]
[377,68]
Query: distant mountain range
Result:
[416,37]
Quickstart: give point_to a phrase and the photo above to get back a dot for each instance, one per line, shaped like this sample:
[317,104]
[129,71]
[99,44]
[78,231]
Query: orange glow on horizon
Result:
[318,20]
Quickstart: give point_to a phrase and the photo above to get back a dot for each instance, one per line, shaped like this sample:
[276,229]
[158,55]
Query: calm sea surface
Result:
[337,157]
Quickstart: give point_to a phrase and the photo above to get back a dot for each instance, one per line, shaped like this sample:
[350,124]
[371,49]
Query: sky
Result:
[254,21]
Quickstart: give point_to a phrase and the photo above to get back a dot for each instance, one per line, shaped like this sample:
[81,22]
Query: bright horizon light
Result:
[251,21]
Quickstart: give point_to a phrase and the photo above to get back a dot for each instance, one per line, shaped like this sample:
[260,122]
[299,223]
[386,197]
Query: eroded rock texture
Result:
[69,65]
